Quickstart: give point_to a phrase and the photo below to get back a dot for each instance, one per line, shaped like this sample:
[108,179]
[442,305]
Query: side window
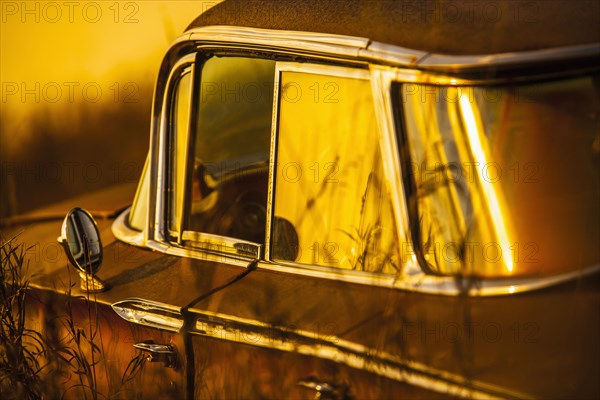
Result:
[228,184]
[331,206]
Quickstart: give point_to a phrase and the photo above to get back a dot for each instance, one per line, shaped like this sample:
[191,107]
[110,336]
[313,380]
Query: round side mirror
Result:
[81,240]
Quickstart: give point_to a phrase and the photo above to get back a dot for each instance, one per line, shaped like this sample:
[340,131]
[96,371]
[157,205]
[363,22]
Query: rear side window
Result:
[506,178]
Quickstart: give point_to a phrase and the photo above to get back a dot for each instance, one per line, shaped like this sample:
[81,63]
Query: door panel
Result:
[495,345]
[232,370]
[72,326]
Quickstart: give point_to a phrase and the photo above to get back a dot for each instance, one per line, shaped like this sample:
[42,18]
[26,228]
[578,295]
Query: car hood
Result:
[104,203]
[38,230]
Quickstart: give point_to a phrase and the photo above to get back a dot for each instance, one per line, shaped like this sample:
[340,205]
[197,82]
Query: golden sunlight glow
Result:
[329,182]
[47,40]
[55,56]
[474,133]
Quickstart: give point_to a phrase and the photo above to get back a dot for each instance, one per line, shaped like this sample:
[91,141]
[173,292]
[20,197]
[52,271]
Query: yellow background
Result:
[56,144]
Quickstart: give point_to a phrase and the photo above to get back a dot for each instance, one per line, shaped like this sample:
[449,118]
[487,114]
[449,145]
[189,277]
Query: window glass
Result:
[332,206]
[506,178]
[179,123]
[139,209]
[228,191]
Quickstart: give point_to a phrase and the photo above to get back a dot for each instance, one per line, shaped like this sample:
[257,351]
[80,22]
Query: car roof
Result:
[474,27]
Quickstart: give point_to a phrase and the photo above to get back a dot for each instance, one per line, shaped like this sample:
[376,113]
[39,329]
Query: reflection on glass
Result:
[506,179]
[179,124]
[83,241]
[329,184]
[231,151]
[139,209]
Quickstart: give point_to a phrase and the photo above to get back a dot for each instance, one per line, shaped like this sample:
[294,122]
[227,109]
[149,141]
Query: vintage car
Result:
[347,200]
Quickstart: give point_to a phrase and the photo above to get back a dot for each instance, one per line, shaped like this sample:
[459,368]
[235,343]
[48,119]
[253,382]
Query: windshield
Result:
[502,180]
[139,209]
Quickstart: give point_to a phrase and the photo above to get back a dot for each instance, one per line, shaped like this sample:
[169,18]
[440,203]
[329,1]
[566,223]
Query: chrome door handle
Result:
[325,390]
[164,353]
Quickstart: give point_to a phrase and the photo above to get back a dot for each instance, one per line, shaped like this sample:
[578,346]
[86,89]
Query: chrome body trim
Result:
[341,351]
[345,46]
[320,69]
[150,313]
[381,78]
[239,260]
[333,348]
[377,52]
[222,245]
[272,163]
[160,224]
[454,63]
[187,67]
[413,279]
[121,230]
[363,49]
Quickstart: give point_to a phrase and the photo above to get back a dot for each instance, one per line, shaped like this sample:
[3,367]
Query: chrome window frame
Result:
[287,66]
[161,217]
[364,50]
[386,63]
[186,65]
[207,243]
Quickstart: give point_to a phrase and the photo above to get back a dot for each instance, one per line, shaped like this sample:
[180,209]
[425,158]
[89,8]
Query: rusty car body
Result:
[355,199]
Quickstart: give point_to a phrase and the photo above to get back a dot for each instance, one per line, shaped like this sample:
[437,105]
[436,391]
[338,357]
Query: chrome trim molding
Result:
[320,69]
[452,63]
[199,254]
[159,222]
[156,128]
[272,162]
[222,245]
[203,254]
[415,280]
[150,313]
[389,54]
[381,78]
[341,351]
[241,330]
[363,49]
[345,46]
[124,233]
